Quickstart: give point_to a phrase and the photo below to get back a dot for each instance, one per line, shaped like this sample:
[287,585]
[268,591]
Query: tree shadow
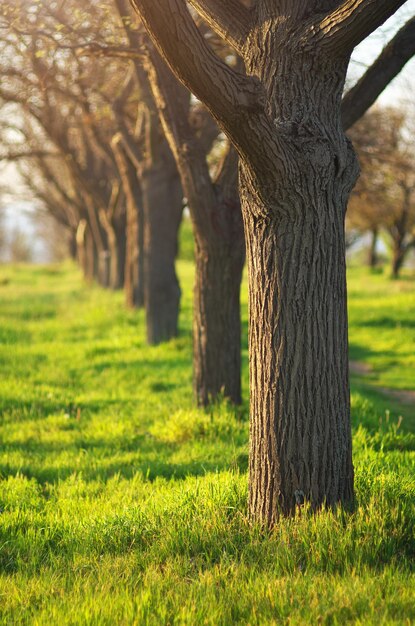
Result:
[386,322]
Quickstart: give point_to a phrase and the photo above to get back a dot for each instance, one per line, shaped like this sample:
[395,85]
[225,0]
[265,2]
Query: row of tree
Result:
[384,197]
[114,147]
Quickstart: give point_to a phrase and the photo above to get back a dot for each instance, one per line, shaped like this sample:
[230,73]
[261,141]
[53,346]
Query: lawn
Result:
[123,504]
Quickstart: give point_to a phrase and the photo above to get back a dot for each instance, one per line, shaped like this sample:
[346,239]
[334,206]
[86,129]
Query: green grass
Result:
[122,504]
[382,335]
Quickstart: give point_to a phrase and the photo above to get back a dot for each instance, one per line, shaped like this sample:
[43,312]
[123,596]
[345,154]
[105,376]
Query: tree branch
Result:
[388,64]
[228,18]
[351,22]
[228,94]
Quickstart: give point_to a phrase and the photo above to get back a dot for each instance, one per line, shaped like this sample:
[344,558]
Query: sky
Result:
[400,92]
[402,89]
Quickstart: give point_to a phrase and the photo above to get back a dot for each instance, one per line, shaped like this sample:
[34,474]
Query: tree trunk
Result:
[98,247]
[117,250]
[72,245]
[163,207]
[398,258]
[134,253]
[217,322]
[134,261]
[219,243]
[300,422]
[373,255]
[86,251]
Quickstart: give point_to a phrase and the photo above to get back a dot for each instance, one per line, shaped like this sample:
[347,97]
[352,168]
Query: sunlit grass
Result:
[123,504]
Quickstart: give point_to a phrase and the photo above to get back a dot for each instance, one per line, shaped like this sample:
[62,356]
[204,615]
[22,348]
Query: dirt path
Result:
[402,395]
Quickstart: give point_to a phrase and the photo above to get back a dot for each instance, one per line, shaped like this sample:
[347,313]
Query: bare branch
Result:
[228,18]
[351,22]
[388,64]
[227,93]
[28,154]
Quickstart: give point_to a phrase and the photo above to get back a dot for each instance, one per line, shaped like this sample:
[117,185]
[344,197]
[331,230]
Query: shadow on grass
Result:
[148,469]
[35,409]
[363,353]
[386,322]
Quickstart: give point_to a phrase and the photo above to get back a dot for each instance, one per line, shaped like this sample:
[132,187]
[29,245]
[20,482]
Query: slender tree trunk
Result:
[217,322]
[72,245]
[134,254]
[373,255]
[99,244]
[117,251]
[398,258]
[163,207]
[220,256]
[92,257]
[86,251]
[134,261]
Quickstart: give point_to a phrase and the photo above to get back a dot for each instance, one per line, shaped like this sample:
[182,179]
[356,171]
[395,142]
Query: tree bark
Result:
[294,206]
[163,207]
[217,322]
[300,424]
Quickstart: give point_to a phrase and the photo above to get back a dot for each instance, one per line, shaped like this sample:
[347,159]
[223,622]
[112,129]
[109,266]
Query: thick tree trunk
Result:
[163,207]
[294,202]
[300,423]
[373,255]
[217,322]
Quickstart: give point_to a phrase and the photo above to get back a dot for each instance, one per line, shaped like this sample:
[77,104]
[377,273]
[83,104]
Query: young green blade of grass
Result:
[123,504]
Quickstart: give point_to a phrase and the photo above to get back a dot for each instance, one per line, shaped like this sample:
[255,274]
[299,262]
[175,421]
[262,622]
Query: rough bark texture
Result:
[163,206]
[300,426]
[217,323]
[294,211]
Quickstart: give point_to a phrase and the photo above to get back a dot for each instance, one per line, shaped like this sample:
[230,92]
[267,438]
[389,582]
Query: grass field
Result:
[122,504]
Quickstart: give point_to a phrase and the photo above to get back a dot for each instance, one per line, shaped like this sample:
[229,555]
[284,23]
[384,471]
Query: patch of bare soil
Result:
[402,395]
[357,367]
